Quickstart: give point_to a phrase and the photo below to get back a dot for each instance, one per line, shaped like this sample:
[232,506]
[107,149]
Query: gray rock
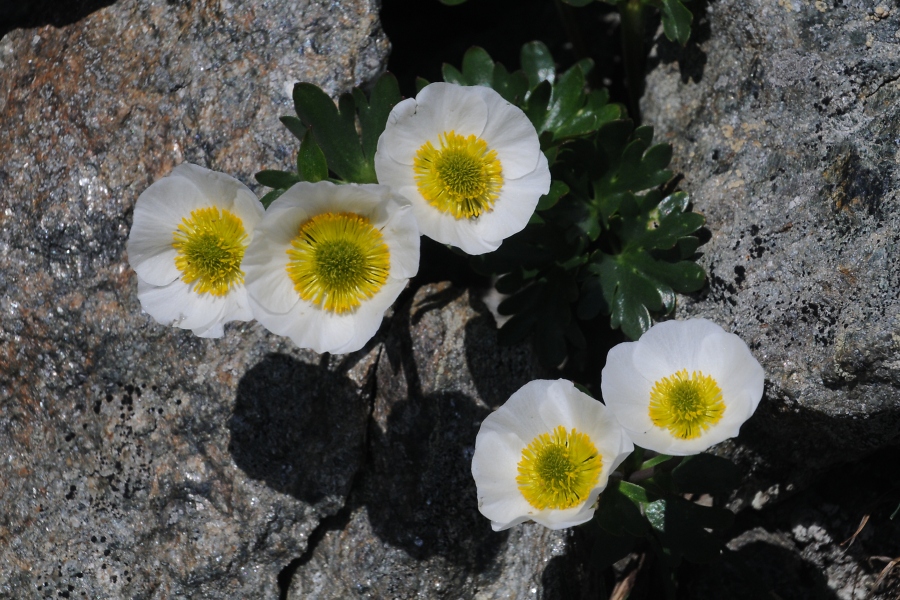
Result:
[784,121]
[137,460]
[412,528]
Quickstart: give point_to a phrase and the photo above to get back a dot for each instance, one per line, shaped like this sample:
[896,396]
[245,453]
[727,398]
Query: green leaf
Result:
[536,106]
[566,99]
[277,179]
[374,111]
[334,131]
[452,75]
[676,20]
[511,86]
[687,246]
[618,514]
[592,301]
[271,197]
[705,473]
[538,64]
[558,189]
[311,163]
[295,126]
[477,67]
[634,492]
[420,84]
[629,294]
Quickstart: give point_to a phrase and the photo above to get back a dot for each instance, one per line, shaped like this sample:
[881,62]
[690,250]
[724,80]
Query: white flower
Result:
[469,161]
[327,262]
[186,244]
[545,456]
[683,387]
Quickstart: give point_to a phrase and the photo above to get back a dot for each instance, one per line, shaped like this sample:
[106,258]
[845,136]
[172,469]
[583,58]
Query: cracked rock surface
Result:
[139,461]
[784,121]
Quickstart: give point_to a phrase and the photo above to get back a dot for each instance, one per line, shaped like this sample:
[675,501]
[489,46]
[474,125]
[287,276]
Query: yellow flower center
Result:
[462,177]
[338,260]
[685,404]
[210,246]
[558,469]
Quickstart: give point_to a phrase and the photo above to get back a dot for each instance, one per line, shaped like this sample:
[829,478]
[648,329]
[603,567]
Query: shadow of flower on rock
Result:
[299,428]
[418,487]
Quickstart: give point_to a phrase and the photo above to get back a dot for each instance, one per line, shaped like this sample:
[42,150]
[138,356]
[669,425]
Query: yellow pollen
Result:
[559,469]
[338,260]
[210,246]
[686,405]
[462,177]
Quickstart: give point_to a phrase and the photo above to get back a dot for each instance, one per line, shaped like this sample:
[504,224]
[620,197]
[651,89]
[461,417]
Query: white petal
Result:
[511,134]
[368,317]
[176,305]
[397,176]
[214,188]
[399,141]
[401,234]
[515,204]
[450,107]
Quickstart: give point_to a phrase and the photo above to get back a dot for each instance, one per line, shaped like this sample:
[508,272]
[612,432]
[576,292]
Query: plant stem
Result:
[632,15]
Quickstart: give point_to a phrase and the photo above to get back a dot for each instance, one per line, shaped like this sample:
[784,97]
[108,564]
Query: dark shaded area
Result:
[37,13]
[417,485]
[772,438]
[759,570]
[769,561]
[298,428]
[425,34]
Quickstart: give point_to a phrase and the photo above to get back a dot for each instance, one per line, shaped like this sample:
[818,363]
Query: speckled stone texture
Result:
[139,461]
[411,528]
[783,115]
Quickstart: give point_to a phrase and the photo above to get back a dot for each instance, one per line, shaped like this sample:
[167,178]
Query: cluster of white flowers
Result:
[547,453]
[324,262]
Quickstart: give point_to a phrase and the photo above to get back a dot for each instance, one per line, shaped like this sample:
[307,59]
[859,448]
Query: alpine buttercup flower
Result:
[683,386]
[545,456]
[327,262]
[469,161]
[186,245]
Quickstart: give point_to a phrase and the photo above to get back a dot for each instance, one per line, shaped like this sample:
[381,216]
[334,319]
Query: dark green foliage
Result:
[657,512]
[604,240]
[337,142]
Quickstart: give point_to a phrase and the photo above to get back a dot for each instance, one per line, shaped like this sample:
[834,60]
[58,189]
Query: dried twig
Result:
[849,541]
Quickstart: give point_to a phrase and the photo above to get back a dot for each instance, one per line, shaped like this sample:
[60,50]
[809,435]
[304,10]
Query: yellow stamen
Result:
[210,246]
[558,469]
[462,178]
[686,405]
[338,260]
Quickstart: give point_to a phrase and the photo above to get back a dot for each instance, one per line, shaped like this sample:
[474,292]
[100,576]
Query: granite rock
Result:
[140,461]
[411,528]
[784,120]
